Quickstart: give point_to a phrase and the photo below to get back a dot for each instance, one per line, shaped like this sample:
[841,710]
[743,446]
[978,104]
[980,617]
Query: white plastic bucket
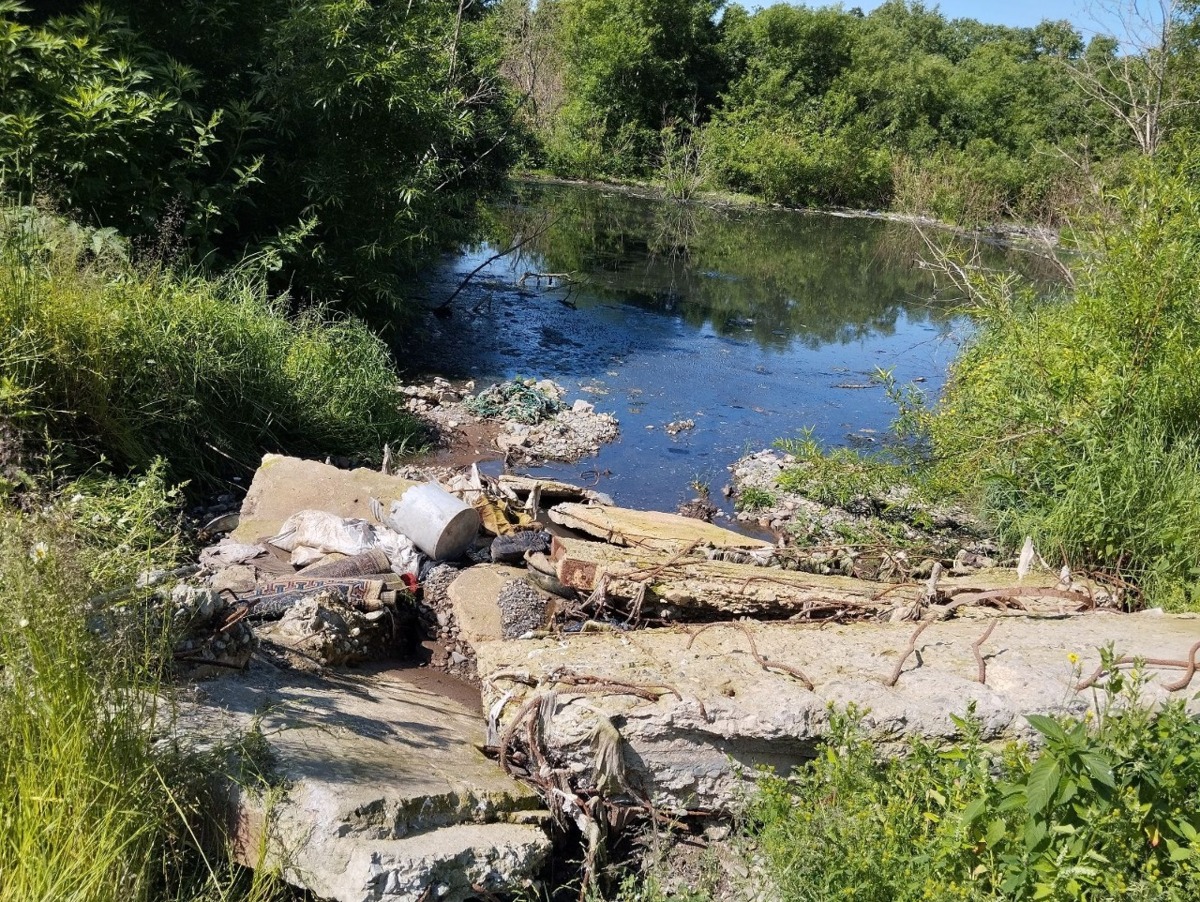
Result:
[438,523]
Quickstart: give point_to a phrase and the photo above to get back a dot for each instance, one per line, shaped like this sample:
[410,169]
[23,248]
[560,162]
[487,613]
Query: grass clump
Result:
[839,477]
[752,498]
[135,363]
[1077,422]
[1107,810]
[95,805]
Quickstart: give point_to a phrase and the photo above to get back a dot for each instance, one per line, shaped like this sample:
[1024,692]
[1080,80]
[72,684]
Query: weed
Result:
[752,498]
[1103,812]
[93,805]
[139,363]
[840,477]
[1075,421]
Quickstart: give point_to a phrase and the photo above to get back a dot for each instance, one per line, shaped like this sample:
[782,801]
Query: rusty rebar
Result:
[909,649]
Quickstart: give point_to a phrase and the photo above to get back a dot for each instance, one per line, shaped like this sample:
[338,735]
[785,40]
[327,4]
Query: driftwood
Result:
[697,588]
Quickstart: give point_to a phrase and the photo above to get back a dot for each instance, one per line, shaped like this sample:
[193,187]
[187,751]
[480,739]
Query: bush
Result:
[135,363]
[1107,810]
[1078,421]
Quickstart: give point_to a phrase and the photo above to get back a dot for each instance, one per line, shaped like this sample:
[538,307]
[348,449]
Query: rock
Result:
[205,643]
[720,712]
[523,609]
[384,794]
[325,631]
[647,529]
[284,486]
[582,406]
[473,596]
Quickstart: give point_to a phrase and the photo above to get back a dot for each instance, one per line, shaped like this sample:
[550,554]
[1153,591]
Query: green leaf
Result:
[1047,726]
[1034,834]
[1098,769]
[1042,784]
[973,810]
[995,832]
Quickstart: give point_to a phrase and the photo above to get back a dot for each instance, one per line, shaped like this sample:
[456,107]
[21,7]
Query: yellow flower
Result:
[1073,658]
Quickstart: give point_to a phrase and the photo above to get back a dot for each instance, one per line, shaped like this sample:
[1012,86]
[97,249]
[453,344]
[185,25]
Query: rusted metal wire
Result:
[762,662]
[976,646]
[909,649]
[1188,665]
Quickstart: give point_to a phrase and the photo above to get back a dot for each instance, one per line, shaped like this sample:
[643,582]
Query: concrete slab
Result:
[721,711]
[647,529]
[473,597]
[387,794]
[283,486]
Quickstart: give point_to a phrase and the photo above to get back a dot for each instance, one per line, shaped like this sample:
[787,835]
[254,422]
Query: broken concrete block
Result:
[647,529]
[284,486]
[473,599]
[686,587]
[385,794]
[695,708]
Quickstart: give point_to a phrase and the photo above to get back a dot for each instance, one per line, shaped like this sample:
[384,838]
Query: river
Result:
[754,323]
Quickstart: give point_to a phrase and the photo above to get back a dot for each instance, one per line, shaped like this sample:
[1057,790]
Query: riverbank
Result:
[1004,234]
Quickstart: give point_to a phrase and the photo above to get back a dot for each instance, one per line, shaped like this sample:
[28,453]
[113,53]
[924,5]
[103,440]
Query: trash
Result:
[510,549]
[366,564]
[310,534]
[515,401]
[438,523]
[272,599]
[323,532]
[679,426]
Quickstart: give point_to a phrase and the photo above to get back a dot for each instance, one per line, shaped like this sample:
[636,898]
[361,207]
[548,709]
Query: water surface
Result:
[753,323]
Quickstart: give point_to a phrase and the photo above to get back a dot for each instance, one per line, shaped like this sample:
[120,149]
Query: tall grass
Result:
[94,807]
[138,362]
[1078,421]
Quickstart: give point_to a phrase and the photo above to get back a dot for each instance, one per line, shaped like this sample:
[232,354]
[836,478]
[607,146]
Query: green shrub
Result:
[137,363]
[1077,421]
[1107,810]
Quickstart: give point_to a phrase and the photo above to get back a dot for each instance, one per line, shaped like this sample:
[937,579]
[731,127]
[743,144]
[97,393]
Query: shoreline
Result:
[1002,235]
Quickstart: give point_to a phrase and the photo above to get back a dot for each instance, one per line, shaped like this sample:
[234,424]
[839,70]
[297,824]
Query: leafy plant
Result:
[1104,810]
[136,363]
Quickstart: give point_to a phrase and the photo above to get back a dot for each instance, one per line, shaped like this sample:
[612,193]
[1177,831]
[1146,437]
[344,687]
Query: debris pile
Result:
[528,419]
[885,535]
[620,664]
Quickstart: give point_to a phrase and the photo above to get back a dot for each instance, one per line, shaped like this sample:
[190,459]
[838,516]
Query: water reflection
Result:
[777,275]
[754,323]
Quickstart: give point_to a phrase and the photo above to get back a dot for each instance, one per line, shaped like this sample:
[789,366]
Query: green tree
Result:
[341,139]
[631,67]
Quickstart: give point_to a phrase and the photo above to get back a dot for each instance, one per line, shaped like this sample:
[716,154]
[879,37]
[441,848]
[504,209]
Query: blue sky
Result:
[1083,14]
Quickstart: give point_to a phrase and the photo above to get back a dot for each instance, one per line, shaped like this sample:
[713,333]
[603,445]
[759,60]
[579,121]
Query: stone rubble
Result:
[603,664]
[568,434]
